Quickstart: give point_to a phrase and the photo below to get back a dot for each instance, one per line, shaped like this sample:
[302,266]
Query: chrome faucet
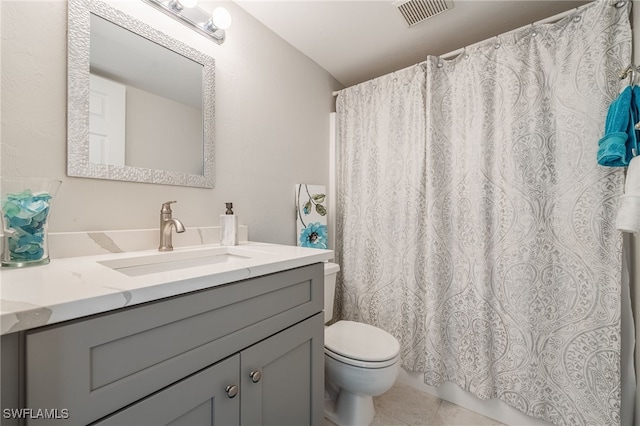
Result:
[166,223]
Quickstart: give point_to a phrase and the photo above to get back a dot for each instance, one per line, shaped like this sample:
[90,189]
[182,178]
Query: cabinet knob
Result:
[232,390]
[255,376]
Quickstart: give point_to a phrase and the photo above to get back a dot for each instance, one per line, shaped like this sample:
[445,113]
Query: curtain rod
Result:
[553,18]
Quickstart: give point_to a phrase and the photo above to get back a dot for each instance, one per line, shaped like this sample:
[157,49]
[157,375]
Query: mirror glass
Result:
[140,103]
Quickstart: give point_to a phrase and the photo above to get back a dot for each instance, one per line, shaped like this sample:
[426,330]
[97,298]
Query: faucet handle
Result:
[166,206]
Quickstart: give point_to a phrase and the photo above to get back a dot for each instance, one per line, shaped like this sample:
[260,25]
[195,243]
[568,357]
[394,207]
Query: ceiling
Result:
[359,40]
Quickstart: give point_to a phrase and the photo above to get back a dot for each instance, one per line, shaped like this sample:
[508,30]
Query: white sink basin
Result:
[165,262]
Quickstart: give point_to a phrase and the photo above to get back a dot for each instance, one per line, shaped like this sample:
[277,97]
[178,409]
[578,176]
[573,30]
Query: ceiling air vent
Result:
[416,11]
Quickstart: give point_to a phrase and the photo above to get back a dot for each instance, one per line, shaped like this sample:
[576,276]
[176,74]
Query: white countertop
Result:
[75,287]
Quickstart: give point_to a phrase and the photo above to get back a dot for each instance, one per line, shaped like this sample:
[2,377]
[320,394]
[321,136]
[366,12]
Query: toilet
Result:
[360,361]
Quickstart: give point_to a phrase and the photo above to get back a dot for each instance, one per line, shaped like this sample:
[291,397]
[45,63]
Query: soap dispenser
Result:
[228,227]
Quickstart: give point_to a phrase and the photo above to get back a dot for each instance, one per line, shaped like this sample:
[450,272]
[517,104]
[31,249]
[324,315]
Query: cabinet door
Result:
[282,377]
[201,399]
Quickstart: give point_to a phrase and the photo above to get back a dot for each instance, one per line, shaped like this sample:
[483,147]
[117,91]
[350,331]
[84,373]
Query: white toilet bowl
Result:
[361,361]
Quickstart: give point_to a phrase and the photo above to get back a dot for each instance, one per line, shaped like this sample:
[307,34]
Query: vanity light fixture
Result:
[212,25]
[180,4]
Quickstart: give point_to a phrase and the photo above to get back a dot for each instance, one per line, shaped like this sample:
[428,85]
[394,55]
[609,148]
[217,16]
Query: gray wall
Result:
[272,125]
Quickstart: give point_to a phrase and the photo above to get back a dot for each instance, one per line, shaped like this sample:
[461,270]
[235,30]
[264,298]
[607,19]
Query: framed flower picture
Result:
[311,216]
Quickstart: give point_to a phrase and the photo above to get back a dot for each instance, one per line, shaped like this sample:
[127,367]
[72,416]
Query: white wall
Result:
[272,128]
[158,142]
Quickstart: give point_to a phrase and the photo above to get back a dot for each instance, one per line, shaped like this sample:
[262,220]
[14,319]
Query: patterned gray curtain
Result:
[488,246]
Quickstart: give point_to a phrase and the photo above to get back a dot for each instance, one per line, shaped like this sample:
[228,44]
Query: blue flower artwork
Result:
[314,235]
[311,216]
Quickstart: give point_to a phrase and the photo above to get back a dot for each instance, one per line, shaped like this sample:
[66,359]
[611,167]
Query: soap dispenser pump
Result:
[228,227]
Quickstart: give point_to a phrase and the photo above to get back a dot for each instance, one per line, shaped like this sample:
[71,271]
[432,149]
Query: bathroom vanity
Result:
[239,341]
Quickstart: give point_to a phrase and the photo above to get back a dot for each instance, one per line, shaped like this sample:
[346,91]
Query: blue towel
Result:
[615,149]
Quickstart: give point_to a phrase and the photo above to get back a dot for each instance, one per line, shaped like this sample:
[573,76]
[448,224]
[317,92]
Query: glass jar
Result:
[26,206]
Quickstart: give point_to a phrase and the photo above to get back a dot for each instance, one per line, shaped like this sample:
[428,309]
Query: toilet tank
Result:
[330,273]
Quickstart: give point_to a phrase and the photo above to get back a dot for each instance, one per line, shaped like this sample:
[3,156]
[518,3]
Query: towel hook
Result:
[629,71]
[623,74]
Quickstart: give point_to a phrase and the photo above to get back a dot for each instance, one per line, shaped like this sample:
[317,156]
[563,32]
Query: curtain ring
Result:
[631,73]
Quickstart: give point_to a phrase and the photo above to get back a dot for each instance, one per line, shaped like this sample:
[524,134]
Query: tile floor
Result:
[403,405]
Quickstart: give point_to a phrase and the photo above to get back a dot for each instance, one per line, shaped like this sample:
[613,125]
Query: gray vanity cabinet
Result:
[172,361]
[269,383]
[202,399]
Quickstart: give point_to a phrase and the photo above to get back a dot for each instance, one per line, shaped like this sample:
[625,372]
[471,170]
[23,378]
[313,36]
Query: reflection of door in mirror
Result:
[106,121]
[162,94]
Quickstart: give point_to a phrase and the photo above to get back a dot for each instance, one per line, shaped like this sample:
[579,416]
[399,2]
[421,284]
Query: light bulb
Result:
[221,18]
[189,3]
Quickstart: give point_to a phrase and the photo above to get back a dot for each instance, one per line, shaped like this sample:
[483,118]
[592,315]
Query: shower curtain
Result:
[475,225]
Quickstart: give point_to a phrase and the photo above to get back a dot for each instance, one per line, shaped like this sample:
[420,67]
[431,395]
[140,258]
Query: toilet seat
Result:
[361,345]
[359,363]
